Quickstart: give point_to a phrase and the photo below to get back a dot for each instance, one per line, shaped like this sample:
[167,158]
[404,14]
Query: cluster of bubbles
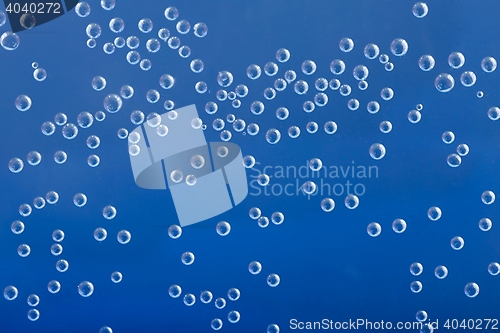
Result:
[255,213]
[455,159]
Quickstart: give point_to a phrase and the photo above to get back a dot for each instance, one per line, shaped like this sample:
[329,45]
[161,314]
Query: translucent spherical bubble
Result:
[3,18]
[174,43]
[257,107]
[434,213]
[218,124]
[253,129]
[420,10]
[309,187]
[387,94]
[197,66]
[85,119]
[282,55]
[273,328]
[216,324]
[377,151]
[106,329]
[153,96]
[373,229]
[468,79]
[98,83]
[100,116]
[308,106]
[414,116]
[122,133]
[233,317]
[399,47]
[383,58]
[456,60]
[10,293]
[263,222]
[183,27]
[145,25]
[321,99]
[100,234]
[109,212]
[233,294]
[277,218]
[200,29]
[93,141]
[421,316]
[176,176]
[345,90]
[116,25]
[62,265]
[269,93]
[416,268]
[485,224]
[40,74]
[133,57]
[56,249]
[223,228]
[239,125]
[93,30]
[58,235]
[166,81]
[462,149]
[23,103]
[362,85]
[10,41]
[187,258]
[273,136]
[23,250]
[312,127]
[112,103]
[175,291]
[33,314]
[360,72]
[426,62]
[494,113]
[60,157]
[174,231]
[93,161]
[448,137]
[153,45]
[184,51]
[294,132]
[308,67]
[25,210]
[494,268]
[17,227]
[489,64]
[454,160]
[54,286]
[327,204]
[271,68]
[189,299]
[224,78]
[80,200]
[82,9]
[337,67]
[371,51]
[119,42]
[34,158]
[254,72]
[471,289]
[33,300]
[399,226]
[480,94]
[353,104]
[254,213]
[315,164]
[385,126]
[116,277]
[346,45]
[169,105]
[39,202]
[416,286]
[301,87]
[124,236]
[85,288]
[351,201]
[290,76]
[457,243]
[206,296]
[91,43]
[263,179]
[16,165]
[488,197]
[221,95]
[70,131]
[330,127]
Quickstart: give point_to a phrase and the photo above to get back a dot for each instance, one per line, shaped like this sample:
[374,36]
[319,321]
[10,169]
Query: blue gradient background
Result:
[329,266]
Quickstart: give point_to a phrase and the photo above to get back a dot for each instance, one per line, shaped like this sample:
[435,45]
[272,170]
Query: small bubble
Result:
[399,226]
[371,51]
[399,47]
[109,212]
[448,137]
[351,201]
[346,45]
[374,229]
[82,9]
[441,272]
[420,10]
[223,228]
[54,286]
[16,165]
[414,116]
[253,72]
[337,67]
[327,204]
[255,267]
[416,268]
[489,64]
[85,289]
[100,234]
[456,60]
[454,160]
[488,197]
[116,277]
[233,317]
[468,79]
[206,297]
[23,103]
[485,224]
[124,236]
[10,41]
[174,291]
[457,243]
[471,289]
[282,55]
[377,151]
[271,68]
[416,286]
[494,268]
[216,324]
[23,250]
[189,299]
[10,293]
[200,29]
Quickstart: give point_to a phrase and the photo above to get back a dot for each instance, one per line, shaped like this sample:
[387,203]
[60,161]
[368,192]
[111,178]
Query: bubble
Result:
[116,277]
[124,236]
[174,43]
[85,289]
[33,314]
[309,187]
[93,30]
[93,161]
[189,299]
[308,106]
[122,133]
[468,79]
[374,229]
[109,212]
[58,235]
[184,51]
[345,90]
[91,43]
[471,289]
[457,243]
[489,64]
[183,27]
[10,293]
[39,202]
[454,160]
[119,42]
[383,58]
[420,10]
[187,258]
[399,47]
[206,297]
[271,68]
[353,104]
[290,76]
[169,105]
[40,74]
[112,103]
[414,116]
[462,149]
[421,316]
[56,249]
[171,13]
[133,57]
[387,94]
[488,197]
[494,268]
[200,29]
[82,9]
[233,294]
[385,126]
[176,176]
[100,234]
[116,25]
[371,51]
[54,286]
[389,66]
[263,179]
[10,41]
[312,127]
[253,72]
[17,227]
[220,303]
[330,127]
[233,317]
[23,250]
[269,93]
[23,103]
[16,165]
[456,60]
[480,94]
[174,291]
[273,136]
[360,72]
[337,67]
[60,157]
[225,78]
[308,67]
[416,286]
[254,213]
[426,62]
[277,218]
[399,226]
[377,151]
[351,201]
[33,300]
[293,132]
[25,210]
[62,265]
[346,45]
[327,204]
[416,268]
[167,81]
[255,267]
[494,113]
[301,87]
[485,224]
[223,228]
[216,324]
[85,119]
